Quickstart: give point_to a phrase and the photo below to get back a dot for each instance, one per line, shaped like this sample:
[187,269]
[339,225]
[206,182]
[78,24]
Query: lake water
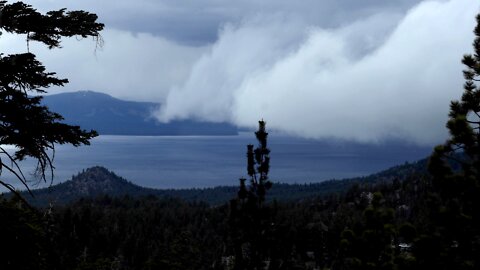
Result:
[206,161]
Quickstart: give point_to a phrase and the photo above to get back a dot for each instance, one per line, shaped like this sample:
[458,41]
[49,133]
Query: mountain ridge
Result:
[98,181]
[113,116]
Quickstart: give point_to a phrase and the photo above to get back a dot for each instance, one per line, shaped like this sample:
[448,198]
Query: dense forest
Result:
[421,220]
[408,222]
[371,226]
[98,181]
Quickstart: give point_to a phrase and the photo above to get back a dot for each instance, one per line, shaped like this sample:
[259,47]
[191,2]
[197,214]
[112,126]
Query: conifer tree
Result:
[258,165]
[455,168]
[248,215]
[24,123]
[371,246]
[463,146]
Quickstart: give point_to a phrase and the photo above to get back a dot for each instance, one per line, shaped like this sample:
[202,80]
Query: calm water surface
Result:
[205,161]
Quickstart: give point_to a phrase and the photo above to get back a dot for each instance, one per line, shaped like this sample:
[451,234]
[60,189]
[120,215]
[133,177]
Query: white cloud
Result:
[240,53]
[318,69]
[352,82]
[133,66]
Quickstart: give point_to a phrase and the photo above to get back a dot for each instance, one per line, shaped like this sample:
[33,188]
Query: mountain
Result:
[90,183]
[112,116]
[98,181]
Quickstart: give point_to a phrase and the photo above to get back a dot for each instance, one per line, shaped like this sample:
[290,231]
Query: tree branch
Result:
[14,162]
[23,181]
[15,192]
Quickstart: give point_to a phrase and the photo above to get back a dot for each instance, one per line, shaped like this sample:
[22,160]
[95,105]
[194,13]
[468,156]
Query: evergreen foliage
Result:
[249,217]
[98,181]
[22,237]
[413,221]
[24,123]
[167,233]
[455,198]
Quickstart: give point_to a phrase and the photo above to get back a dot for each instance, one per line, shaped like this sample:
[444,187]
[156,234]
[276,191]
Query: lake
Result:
[206,161]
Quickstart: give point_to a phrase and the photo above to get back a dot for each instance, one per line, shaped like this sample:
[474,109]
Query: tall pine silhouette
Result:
[454,241]
[249,217]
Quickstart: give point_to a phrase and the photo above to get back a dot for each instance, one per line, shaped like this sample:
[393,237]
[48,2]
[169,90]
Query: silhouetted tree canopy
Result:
[24,123]
[404,219]
[455,167]
[250,219]
[463,146]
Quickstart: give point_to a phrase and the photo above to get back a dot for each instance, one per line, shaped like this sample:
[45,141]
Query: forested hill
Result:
[111,116]
[98,181]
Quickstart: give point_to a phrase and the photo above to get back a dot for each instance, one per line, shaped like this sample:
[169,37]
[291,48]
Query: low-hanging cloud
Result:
[390,75]
[318,69]
[138,67]
[196,23]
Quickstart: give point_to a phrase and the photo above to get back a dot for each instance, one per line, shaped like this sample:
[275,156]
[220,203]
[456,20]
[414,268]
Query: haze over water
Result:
[206,161]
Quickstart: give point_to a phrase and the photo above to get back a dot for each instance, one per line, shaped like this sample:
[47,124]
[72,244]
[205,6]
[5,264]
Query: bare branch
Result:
[23,181]
[15,192]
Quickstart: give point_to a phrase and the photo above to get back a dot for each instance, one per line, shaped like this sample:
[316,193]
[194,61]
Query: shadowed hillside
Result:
[98,181]
[111,116]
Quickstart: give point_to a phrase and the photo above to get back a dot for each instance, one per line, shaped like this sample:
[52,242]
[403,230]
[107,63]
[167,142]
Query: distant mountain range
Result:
[98,181]
[112,116]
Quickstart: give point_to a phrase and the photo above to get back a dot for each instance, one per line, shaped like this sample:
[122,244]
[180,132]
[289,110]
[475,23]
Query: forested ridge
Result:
[98,181]
[154,233]
[390,223]
[418,219]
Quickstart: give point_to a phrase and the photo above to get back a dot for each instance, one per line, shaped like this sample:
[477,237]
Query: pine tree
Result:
[258,165]
[372,245]
[463,147]
[24,123]
[249,217]
[454,241]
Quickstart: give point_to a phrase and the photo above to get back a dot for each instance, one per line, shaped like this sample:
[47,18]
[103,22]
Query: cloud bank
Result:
[386,76]
[358,70]
[196,23]
[133,66]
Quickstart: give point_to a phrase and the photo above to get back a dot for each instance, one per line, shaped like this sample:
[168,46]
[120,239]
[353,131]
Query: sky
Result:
[366,71]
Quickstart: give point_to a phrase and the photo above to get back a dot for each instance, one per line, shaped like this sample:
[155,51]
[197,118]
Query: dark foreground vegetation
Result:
[372,226]
[419,221]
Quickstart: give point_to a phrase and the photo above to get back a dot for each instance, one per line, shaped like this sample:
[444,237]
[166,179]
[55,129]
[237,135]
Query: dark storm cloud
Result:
[198,22]
[361,70]
[195,22]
